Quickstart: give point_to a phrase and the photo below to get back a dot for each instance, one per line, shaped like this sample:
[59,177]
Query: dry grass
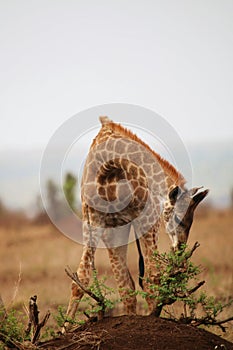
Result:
[33,259]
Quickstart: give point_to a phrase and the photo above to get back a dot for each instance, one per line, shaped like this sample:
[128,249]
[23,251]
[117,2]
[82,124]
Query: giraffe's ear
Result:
[173,194]
[198,198]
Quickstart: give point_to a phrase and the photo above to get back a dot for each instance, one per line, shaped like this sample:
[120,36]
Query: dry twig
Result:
[206,321]
[34,325]
[98,299]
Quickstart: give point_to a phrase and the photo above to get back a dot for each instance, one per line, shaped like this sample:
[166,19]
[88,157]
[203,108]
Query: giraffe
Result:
[124,185]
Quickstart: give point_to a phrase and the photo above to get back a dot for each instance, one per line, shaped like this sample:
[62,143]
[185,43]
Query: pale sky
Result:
[59,57]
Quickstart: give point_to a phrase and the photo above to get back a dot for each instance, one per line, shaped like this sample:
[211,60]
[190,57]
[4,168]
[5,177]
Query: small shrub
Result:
[103,292]
[11,328]
[177,282]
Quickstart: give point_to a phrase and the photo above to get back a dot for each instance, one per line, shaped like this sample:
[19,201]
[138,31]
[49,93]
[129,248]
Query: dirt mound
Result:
[138,332]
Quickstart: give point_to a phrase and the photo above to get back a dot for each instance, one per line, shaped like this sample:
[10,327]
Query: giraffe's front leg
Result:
[123,278]
[149,241]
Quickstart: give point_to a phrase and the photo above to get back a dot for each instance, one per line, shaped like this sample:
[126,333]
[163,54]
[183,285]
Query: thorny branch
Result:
[98,299]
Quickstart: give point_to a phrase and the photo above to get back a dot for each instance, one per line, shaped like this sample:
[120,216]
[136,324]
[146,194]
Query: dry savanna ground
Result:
[33,259]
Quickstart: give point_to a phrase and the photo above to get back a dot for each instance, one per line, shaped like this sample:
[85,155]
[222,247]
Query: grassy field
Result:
[33,259]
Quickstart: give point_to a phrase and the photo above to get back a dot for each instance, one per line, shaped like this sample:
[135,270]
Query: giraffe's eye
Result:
[173,194]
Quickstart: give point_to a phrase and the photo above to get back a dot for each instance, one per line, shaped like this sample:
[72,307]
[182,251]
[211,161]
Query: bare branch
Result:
[190,253]
[206,321]
[194,289]
[75,278]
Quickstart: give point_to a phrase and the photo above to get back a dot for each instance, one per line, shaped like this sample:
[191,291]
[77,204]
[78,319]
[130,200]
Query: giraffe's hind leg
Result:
[84,274]
[83,271]
[118,260]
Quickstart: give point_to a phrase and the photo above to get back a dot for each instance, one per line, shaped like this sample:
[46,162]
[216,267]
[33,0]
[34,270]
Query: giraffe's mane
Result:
[168,168]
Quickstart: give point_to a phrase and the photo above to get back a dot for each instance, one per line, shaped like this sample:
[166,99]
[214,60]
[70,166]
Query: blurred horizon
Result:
[211,167]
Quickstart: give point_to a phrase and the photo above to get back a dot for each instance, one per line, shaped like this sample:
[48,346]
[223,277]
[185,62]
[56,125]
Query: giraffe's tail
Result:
[140,262]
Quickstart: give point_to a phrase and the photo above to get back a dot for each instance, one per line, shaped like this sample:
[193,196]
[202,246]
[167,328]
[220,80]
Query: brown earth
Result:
[138,332]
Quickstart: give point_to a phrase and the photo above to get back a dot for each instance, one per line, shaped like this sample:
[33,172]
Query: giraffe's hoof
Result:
[66,327]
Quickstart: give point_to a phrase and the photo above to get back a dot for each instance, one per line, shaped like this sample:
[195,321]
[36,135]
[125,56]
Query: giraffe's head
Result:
[178,213]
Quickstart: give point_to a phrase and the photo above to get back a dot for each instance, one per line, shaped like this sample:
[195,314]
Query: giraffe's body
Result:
[123,185]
